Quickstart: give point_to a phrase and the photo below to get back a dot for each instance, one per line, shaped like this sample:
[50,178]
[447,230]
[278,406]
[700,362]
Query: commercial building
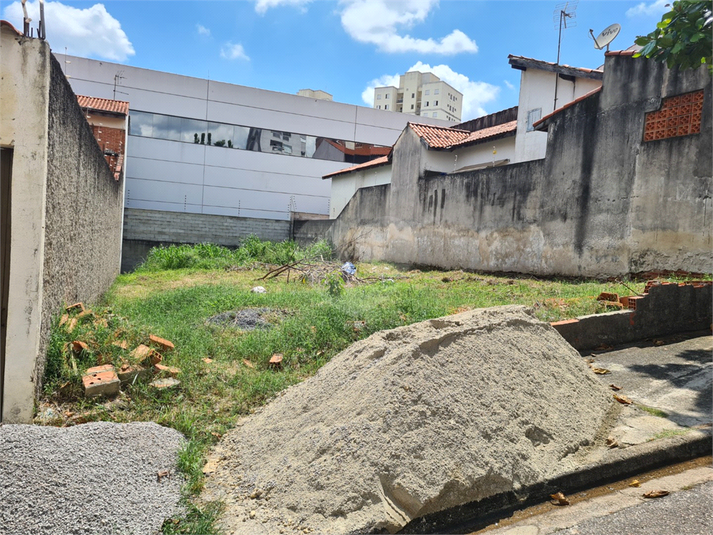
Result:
[422,94]
[211,161]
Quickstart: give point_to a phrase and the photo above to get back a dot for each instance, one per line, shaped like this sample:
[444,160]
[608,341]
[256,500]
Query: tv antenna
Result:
[564,16]
[607,36]
[117,81]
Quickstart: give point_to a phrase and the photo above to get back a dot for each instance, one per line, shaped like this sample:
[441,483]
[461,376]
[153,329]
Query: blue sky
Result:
[343,47]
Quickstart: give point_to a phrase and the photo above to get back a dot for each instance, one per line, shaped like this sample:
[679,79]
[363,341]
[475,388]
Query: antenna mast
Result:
[564,16]
[117,81]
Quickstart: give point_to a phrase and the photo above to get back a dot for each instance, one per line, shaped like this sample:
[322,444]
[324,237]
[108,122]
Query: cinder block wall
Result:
[144,229]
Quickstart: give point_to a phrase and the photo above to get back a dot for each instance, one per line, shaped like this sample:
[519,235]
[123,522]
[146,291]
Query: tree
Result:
[683,38]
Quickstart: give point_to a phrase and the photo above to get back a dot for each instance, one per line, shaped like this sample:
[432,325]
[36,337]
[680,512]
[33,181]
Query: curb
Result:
[616,465]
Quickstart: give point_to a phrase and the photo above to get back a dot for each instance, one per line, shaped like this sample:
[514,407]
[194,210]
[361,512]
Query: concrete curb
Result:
[615,465]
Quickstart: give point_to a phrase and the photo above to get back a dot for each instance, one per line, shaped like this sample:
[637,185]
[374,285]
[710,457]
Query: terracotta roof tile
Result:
[572,103]
[439,137]
[104,104]
[9,25]
[620,53]
[487,133]
[361,149]
[383,160]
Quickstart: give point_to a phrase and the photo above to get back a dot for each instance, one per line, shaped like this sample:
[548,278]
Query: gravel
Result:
[408,422]
[98,478]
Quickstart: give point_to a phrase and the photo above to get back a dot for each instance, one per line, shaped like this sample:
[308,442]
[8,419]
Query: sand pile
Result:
[409,422]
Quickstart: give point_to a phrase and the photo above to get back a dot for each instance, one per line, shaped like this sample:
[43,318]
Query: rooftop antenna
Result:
[117,81]
[607,36]
[564,16]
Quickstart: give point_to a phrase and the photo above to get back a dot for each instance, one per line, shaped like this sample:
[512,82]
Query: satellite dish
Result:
[607,36]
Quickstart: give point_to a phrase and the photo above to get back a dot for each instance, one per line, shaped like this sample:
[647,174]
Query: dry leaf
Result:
[635,483]
[77,346]
[63,319]
[71,325]
[656,494]
[207,360]
[560,499]
[101,322]
[622,399]
[615,387]
[612,442]
[659,342]
[248,363]
[600,371]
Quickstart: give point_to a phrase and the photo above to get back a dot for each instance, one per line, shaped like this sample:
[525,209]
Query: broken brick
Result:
[78,346]
[276,360]
[607,296]
[101,381]
[128,373]
[162,342]
[146,356]
[75,306]
[63,319]
[168,369]
[123,344]
[162,384]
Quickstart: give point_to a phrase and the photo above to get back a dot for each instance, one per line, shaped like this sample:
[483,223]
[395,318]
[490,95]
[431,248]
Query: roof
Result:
[439,137]
[360,149]
[10,26]
[620,53]
[523,63]
[541,122]
[382,160]
[500,130]
[104,104]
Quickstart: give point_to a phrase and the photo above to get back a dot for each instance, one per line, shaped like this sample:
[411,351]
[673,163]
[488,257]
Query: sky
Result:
[343,47]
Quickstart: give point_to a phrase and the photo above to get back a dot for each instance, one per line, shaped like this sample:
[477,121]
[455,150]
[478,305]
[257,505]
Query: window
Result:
[411,106]
[387,95]
[436,91]
[532,117]
[428,92]
[435,114]
[378,97]
[435,103]
[413,95]
[427,104]
[276,134]
[379,106]
[386,106]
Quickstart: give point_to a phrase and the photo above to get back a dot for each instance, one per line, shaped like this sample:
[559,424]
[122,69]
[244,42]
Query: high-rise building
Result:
[421,93]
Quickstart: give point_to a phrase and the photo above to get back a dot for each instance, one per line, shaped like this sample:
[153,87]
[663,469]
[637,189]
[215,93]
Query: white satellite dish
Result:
[607,36]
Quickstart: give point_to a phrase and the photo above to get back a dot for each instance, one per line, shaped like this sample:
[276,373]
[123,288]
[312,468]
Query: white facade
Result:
[537,99]
[345,186]
[422,94]
[168,170]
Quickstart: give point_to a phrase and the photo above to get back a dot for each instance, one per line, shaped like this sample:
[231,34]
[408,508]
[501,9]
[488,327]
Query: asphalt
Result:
[669,382]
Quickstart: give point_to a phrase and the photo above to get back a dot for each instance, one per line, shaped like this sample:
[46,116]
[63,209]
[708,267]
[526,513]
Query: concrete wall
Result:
[344,186]
[602,203]
[65,215]
[144,229]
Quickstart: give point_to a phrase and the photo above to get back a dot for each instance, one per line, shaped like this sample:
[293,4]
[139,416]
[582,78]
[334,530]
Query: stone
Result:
[258,290]
[163,384]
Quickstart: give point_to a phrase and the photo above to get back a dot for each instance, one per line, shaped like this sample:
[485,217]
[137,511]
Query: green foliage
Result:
[683,38]
[211,256]
[219,143]
[335,284]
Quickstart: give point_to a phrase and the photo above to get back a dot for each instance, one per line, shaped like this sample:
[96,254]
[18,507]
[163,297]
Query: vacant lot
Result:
[225,335]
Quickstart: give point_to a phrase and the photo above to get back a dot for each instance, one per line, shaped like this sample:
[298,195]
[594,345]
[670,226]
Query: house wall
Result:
[65,215]
[452,161]
[602,203]
[344,186]
[24,85]
[537,90]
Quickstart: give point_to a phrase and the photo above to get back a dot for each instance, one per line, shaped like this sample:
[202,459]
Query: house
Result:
[625,185]
[215,162]
[109,120]
[60,213]
[423,94]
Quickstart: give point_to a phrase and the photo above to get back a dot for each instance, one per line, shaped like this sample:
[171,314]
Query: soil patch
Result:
[248,319]
[409,422]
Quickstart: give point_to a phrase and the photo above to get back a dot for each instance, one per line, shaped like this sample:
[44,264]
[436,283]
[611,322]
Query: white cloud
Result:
[90,32]
[261,6]
[233,51]
[380,22]
[648,10]
[509,85]
[475,94]
[202,30]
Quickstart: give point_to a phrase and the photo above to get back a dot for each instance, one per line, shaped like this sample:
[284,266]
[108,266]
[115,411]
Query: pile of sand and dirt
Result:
[409,422]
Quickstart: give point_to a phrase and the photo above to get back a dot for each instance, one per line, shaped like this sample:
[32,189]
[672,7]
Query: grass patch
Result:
[652,410]
[668,433]
[224,371]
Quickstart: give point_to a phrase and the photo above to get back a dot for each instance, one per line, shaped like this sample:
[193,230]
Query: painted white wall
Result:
[537,90]
[453,161]
[178,176]
[24,86]
[345,186]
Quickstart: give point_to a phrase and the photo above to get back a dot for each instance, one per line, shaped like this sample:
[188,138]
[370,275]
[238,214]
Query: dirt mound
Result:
[409,422]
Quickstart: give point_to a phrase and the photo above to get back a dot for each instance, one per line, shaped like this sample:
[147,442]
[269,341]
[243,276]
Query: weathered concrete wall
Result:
[65,212]
[83,211]
[144,229]
[310,231]
[602,203]
[24,85]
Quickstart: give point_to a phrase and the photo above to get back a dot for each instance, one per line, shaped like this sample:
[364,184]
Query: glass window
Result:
[428,92]
[435,103]
[411,106]
[219,134]
[386,96]
[435,114]
[240,137]
[386,106]
[191,130]
[378,97]
[436,91]
[141,124]
[532,117]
